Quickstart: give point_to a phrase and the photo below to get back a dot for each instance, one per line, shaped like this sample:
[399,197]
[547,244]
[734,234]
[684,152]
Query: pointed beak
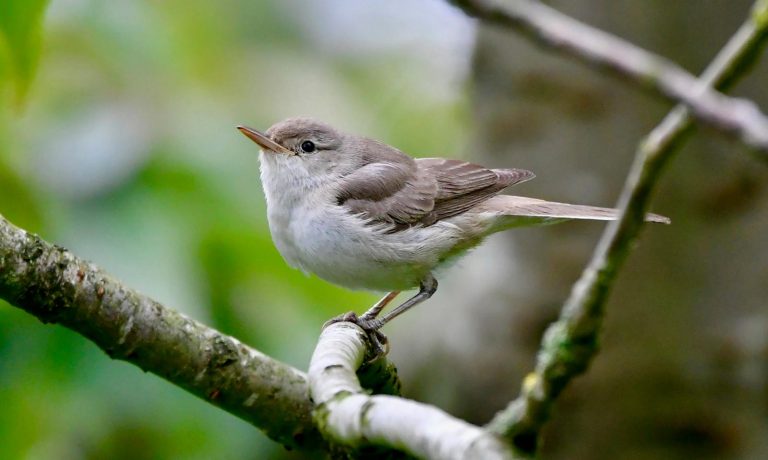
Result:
[265,142]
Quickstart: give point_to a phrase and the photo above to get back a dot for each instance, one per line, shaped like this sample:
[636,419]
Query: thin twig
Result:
[556,30]
[570,343]
[350,417]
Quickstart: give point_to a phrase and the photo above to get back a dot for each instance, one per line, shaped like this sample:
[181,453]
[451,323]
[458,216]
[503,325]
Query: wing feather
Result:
[462,185]
[395,189]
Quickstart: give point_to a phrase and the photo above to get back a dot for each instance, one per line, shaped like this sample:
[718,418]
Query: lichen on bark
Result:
[51,283]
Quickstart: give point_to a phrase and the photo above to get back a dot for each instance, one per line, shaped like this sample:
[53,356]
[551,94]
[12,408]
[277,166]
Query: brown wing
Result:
[398,190]
[462,185]
[387,186]
[388,193]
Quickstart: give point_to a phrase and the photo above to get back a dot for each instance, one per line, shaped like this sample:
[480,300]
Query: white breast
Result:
[315,234]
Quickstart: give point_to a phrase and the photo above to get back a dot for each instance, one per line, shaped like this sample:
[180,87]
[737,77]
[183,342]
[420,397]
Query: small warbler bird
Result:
[364,215]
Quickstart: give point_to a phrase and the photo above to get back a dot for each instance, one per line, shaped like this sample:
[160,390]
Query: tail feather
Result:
[522,211]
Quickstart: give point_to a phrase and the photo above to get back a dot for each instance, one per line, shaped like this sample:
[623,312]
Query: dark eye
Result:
[308,146]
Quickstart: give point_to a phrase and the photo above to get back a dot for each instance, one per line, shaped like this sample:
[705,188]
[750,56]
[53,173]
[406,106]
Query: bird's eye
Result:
[308,146]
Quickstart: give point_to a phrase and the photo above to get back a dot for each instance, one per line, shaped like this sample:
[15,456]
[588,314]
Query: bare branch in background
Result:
[56,286]
[570,343]
[556,30]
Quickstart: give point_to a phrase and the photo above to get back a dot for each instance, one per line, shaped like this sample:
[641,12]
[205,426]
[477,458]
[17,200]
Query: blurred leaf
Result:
[17,201]
[185,221]
[20,37]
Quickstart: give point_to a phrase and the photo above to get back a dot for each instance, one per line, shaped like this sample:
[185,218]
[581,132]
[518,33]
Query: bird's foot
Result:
[371,326]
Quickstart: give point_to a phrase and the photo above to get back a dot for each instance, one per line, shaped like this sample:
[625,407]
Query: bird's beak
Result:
[265,142]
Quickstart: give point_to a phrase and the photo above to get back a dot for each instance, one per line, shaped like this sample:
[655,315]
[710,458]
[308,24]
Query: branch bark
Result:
[54,285]
[348,416]
[547,26]
[51,283]
[570,343]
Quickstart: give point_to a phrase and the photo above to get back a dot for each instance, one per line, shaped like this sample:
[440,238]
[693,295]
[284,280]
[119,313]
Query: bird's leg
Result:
[374,311]
[427,287]
[371,325]
[378,340]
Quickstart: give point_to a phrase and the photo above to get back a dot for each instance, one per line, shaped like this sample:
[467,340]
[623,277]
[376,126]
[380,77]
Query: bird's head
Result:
[306,147]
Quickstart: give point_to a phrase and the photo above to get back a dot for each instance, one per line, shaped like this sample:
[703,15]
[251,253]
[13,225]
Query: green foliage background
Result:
[117,141]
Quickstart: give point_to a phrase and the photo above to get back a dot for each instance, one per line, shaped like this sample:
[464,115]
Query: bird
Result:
[362,214]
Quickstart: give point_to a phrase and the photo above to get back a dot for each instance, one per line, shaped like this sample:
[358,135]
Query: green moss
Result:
[53,285]
[760,14]
[564,356]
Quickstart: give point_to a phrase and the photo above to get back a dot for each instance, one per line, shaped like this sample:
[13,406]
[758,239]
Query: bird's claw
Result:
[379,341]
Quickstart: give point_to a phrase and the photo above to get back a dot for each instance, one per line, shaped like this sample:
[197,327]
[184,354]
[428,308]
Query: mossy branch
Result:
[51,283]
[367,426]
[570,343]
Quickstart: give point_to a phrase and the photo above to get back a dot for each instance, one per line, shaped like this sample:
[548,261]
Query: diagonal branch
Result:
[570,343]
[351,418]
[553,29]
[51,283]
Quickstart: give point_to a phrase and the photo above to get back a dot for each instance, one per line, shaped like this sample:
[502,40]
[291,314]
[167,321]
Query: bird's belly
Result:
[339,248]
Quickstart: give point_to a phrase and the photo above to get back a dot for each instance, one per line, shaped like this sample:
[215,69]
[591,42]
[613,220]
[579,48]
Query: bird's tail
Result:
[518,211]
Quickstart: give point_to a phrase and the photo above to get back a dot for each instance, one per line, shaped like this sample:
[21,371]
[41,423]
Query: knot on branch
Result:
[42,278]
[563,356]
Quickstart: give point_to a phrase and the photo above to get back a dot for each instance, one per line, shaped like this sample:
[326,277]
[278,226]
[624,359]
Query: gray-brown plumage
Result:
[362,214]
[408,192]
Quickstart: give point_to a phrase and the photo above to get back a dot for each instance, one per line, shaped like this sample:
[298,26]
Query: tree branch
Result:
[570,343]
[54,285]
[553,29]
[51,283]
[350,417]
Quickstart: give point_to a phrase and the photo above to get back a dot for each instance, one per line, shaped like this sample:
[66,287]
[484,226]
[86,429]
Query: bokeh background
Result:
[117,141]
